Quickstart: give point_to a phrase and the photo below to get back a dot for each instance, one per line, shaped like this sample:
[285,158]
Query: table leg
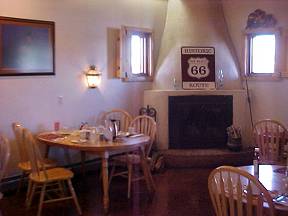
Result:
[146,170]
[67,155]
[83,159]
[105,157]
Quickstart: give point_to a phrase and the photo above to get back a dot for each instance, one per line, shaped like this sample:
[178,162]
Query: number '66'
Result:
[201,70]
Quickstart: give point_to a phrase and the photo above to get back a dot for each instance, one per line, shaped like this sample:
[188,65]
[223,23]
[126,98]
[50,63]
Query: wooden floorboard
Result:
[179,192]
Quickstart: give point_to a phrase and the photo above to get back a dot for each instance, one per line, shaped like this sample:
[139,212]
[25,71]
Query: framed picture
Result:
[26,47]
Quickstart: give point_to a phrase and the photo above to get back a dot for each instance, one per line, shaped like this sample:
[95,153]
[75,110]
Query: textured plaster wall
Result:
[82,38]
[195,23]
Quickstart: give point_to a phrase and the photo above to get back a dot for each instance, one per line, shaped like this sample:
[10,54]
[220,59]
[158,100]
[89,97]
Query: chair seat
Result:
[130,158]
[54,174]
[26,166]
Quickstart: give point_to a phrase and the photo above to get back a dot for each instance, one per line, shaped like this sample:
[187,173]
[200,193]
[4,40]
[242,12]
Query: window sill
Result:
[263,77]
[137,79]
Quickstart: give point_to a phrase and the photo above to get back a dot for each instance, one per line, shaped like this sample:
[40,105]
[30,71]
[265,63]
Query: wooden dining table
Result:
[104,149]
[273,178]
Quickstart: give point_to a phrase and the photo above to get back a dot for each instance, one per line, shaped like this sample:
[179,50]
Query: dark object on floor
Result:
[234,144]
[157,163]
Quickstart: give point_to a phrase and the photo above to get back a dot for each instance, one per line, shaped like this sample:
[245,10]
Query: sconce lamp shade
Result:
[93,77]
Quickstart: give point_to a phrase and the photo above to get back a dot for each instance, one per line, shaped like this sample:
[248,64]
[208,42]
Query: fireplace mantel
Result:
[159,100]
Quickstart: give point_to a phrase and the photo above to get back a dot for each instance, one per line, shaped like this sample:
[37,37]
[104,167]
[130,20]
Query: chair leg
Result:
[32,192]
[100,175]
[21,182]
[130,170]
[43,189]
[112,173]
[83,159]
[74,196]
[61,188]
[30,184]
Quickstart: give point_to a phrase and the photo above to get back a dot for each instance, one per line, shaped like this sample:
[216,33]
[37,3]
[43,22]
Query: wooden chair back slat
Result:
[146,125]
[249,198]
[4,155]
[19,138]
[34,154]
[260,211]
[235,186]
[118,114]
[239,196]
[215,199]
[270,136]
[231,198]
[223,198]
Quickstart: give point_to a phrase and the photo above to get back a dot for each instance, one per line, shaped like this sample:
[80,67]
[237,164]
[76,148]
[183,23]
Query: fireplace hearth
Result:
[199,121]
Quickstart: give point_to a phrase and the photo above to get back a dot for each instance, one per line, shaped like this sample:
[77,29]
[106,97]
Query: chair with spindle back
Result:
[236,192]
[142,124]
[270,136]
[24,165]
[50,181]
[4,157]
[120,115]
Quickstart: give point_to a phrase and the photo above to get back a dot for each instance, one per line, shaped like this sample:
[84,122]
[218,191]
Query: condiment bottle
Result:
[256,161]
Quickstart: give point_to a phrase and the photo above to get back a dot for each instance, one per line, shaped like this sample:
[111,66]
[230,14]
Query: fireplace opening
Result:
[199,122]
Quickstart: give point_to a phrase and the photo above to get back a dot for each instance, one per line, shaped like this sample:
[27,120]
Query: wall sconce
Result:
[93,77]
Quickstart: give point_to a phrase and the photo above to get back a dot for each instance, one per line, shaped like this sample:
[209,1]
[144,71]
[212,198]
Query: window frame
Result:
[125,54]
[249,34]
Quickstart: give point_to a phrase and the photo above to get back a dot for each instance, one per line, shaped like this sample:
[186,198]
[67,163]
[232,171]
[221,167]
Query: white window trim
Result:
[126,74]
[279,54]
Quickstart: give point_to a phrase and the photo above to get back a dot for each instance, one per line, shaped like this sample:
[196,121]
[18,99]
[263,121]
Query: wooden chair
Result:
[270,136]
[122,116]
[142,124]
[236,192]
[24,165]
[51,181]
[124,119]
[4,157]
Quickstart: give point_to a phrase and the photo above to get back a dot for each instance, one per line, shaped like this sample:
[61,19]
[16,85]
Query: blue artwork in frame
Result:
[26,47]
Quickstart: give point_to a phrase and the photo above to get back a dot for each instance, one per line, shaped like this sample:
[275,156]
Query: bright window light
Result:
[263,54]
[136,54]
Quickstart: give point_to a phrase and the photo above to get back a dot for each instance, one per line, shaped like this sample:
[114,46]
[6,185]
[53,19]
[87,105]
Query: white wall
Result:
[269,98]
[81,40]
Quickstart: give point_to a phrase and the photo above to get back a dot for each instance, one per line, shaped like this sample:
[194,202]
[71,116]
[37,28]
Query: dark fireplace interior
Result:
[199,122]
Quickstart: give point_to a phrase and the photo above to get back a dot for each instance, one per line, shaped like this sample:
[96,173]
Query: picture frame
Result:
[27,47]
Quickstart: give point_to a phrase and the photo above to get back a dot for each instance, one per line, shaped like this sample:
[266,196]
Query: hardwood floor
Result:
[180,192]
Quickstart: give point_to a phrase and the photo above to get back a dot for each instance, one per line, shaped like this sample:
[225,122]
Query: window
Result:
[136,54]
[262,53]
[262,57]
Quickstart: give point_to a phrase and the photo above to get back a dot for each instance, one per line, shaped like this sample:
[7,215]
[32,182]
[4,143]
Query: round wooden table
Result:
[104,149]
[271,176]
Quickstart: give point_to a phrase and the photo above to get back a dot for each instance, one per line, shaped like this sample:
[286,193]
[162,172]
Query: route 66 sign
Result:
[198,67]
